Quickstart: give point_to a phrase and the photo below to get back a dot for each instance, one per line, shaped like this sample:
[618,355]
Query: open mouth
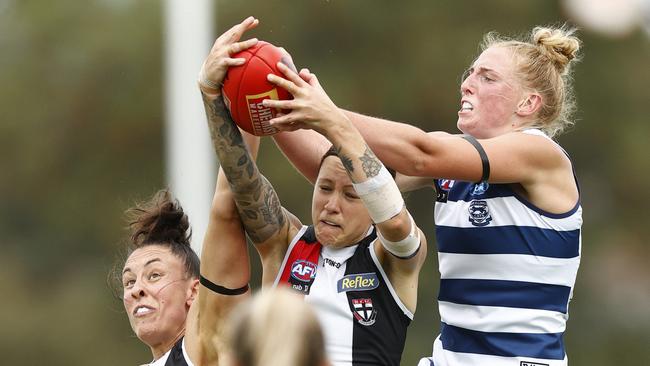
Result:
[466,106]
[142,310]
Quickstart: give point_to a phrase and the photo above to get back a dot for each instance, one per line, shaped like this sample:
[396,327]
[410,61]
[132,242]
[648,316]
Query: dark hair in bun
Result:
[159,221]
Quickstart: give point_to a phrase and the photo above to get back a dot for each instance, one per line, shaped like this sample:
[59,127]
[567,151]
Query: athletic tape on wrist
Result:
[405,248]
[381,196]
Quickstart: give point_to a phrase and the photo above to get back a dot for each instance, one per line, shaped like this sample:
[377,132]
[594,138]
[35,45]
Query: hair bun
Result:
[161,220]
[558,44]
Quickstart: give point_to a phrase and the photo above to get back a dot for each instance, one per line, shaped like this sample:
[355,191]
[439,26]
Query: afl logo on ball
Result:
[303,271]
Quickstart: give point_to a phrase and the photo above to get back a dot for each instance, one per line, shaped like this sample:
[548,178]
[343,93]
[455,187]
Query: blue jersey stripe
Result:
[535,345]
[509,240]
[466,191]
[515,294]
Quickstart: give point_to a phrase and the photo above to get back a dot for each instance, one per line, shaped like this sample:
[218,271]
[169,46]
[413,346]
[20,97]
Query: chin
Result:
[463,127]
[148,335]
[325,240]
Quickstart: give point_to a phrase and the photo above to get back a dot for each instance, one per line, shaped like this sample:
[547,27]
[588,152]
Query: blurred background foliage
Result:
[81,139]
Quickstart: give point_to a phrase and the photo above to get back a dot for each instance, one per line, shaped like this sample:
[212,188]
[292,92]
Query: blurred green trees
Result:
[81,138]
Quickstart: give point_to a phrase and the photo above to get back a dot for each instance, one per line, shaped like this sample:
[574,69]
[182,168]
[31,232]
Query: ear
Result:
[530,104]
[192,292]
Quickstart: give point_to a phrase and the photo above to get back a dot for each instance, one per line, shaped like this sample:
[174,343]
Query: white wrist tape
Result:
[381,196]
[406,247]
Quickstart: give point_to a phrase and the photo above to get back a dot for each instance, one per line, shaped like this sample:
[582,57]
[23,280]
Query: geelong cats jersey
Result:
[507,271]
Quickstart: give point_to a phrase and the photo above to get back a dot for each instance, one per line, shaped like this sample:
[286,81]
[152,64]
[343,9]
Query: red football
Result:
[245,87]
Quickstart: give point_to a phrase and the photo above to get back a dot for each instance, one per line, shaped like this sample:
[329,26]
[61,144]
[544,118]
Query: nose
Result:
[332,204]
[135,292]
[467,86]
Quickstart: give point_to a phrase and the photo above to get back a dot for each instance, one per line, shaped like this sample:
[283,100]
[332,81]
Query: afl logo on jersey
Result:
[304,271]
[479,213]
[364,312]
[442,191]
[446,184]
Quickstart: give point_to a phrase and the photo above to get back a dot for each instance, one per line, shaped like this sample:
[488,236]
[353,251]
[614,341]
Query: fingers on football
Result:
[247,24]
[278,104]
[291,74]
[283,83]
[228,62]
[235,32]
[305,74]
[240,46]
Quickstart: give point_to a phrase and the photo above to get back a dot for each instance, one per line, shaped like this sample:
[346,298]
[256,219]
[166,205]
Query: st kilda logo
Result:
[364,312]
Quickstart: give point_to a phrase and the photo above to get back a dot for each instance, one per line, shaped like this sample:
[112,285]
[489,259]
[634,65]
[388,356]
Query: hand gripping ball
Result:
[245,87]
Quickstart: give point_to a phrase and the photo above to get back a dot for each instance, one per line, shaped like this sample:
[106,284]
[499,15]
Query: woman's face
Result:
[490,95]
[157,294]
[340,218]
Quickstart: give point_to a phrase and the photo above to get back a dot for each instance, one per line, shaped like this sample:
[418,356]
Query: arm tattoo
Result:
[345,160]
[369,163]
[257,202]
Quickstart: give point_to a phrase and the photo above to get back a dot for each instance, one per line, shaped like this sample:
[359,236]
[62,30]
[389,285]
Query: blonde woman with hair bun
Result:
[507,212]
[277,328]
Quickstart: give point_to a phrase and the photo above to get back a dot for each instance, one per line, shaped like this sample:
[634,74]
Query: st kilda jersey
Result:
[363,319]
[177,356]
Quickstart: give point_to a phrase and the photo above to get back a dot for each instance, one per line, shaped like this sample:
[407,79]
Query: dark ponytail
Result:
[159,221]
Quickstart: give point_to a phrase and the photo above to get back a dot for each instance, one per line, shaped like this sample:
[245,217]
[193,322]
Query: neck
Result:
[159,350]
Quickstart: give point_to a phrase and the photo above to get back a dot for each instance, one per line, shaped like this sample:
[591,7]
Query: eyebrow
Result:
[127,269]
[331,181]
[482,69]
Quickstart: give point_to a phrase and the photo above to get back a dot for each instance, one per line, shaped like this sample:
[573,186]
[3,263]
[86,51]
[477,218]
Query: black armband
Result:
[484,158]
[220,289]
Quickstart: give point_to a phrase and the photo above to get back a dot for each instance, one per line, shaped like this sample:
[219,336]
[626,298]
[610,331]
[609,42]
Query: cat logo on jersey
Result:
[479,213]
[358,282]
[364,313]
[303,270]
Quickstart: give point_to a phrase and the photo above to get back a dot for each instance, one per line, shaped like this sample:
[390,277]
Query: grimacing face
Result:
[157,294]
[339,216]
[490,95]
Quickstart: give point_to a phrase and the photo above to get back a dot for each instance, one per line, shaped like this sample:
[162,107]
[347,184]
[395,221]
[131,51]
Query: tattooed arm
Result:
[265,221]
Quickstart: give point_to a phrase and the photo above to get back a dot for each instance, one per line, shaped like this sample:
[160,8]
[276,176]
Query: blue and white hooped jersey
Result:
[507,271]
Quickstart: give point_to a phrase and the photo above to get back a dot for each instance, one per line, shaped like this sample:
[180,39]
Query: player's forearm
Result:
[304,149]
[398,145]
[257,202]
